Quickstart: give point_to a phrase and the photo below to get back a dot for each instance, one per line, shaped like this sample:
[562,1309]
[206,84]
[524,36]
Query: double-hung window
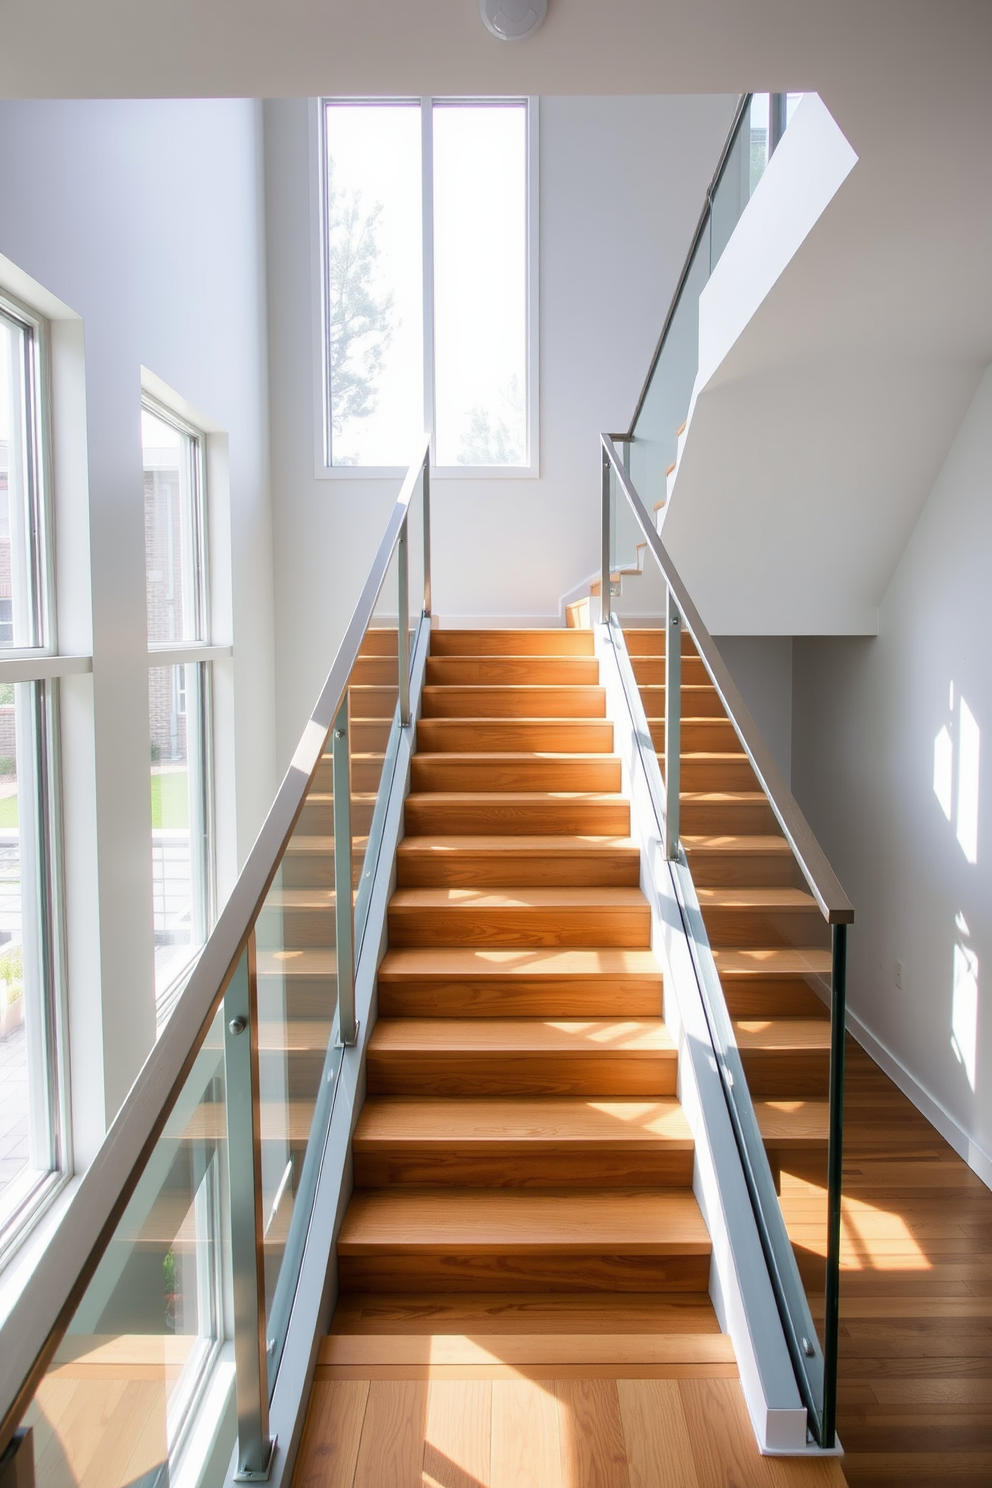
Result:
[178,694]
[429,283]
[34,1131]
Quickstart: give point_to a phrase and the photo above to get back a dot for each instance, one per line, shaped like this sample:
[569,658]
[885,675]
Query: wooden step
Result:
[533,1354]
[699,736]
[739,918]
[518,862]
[771,997]
[484,1239]
[449,813]
[650,670]
[736,860]
[554,984]
[308,861]
[734,965]
[515,1314]
[303,982]
[784,1058]
[698,701]
[297,918]
[503,671]
[514,702]
[515,735]
[521,917]
[375,671]
[714,811]
[509,1056]
[515,772]
[648,641]
[372,702]
[379,641]
[317,816]
[560,642]
[291,1052]
[523,1143]
[713,770]
[365,771]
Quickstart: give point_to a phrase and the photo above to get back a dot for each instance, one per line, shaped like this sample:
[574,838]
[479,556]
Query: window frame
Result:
[323,468]
[26,667]
[194,651]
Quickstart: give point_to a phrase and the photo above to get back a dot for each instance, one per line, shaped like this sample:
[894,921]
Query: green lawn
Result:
[8,811]
[170,799]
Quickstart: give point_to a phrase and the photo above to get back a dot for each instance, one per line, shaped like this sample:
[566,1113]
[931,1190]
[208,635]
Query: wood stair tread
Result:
[782,1034]
[775,961]
[736,842]
[518,1221]
[793,1123]
[455,897]
[457,961]
[755,898]
[635,1038]
[481,1349]
[521,1123]
[519,1313]
[541,844]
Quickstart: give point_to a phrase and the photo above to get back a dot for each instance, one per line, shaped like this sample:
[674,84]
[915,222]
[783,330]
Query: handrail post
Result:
[344,908]
[427,531]
[835,1168]
[403,622]
[244,1155]
[673,725]
[777,117]
[604,592]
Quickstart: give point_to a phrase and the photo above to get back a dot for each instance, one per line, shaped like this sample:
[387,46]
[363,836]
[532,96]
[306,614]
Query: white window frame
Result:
[194,651]
[40,667]
[323,469]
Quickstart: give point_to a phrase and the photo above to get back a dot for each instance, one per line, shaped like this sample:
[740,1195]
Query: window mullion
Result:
[427,185]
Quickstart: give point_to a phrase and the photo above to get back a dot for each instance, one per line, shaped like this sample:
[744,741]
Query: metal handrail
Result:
[823,882]
[40,1316]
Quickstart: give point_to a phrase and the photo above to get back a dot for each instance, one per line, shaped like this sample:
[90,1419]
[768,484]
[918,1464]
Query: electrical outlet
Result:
[899,970]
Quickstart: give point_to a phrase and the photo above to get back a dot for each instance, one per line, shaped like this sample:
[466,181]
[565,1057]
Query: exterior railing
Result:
[663,404]
[189,1229]
[626,523]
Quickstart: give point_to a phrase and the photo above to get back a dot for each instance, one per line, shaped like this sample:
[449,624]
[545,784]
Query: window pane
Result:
[374,283]
[179,845]
[28,1054]
[19,625]
[172,558]
[480,284]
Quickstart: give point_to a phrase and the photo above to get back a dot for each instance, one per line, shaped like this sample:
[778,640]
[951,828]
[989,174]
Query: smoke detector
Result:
[512,20]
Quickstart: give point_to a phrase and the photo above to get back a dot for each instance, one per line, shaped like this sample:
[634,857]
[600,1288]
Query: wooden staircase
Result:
[521,1153]
[769,940]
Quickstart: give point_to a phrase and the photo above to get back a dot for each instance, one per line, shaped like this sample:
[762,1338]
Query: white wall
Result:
[145,218]
[622,182]
[867,715]
[762,668]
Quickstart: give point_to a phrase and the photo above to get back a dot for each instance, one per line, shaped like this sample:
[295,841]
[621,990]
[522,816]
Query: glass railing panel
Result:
[119,1401]
[417,569]
[666,403]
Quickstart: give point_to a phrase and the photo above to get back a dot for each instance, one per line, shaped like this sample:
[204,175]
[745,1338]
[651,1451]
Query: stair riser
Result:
[711,735]
[440,774]
[501,736]
[526,870]
[364,773]
[785,997]
[502,671]
[379,641]
[521,927]
[514,702]
[369,736]
[428,816]
[511,643]
[522,1273]
[296,929]
[744,870]
[317,818]
[649,671]
[743,929]
[652,642]
[786,1074]
[727,818]
[372,702]
[511,1167]
[298,996]
[375,671]
[316,870]
[294,1074]
[500,1073]
[697,702]
[715,775]
[519,999]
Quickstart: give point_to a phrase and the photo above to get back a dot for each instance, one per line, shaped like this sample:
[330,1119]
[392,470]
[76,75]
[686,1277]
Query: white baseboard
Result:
[978,1160]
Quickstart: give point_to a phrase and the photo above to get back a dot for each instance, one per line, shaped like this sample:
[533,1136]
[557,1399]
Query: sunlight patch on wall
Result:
[956,770]
[964,1002]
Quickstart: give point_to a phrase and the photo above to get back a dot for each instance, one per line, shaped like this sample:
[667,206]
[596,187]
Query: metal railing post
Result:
[403,621]
[777,116]
[673,725]
[835,1168]
[604,608]
[344,907]
[427,531]
[244,1155]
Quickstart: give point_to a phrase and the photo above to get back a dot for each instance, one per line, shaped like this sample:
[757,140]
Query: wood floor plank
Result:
[393,1431]
[332,1434]
[593,1453]
[458,1444]
[659,1452]
[526,1447]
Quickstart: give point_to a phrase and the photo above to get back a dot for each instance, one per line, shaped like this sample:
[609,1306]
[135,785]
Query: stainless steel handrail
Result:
[43,1311]
[823,882]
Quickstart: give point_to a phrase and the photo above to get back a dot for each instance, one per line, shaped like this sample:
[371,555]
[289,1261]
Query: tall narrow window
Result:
[34,1154]
[178,695]
[428,252]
